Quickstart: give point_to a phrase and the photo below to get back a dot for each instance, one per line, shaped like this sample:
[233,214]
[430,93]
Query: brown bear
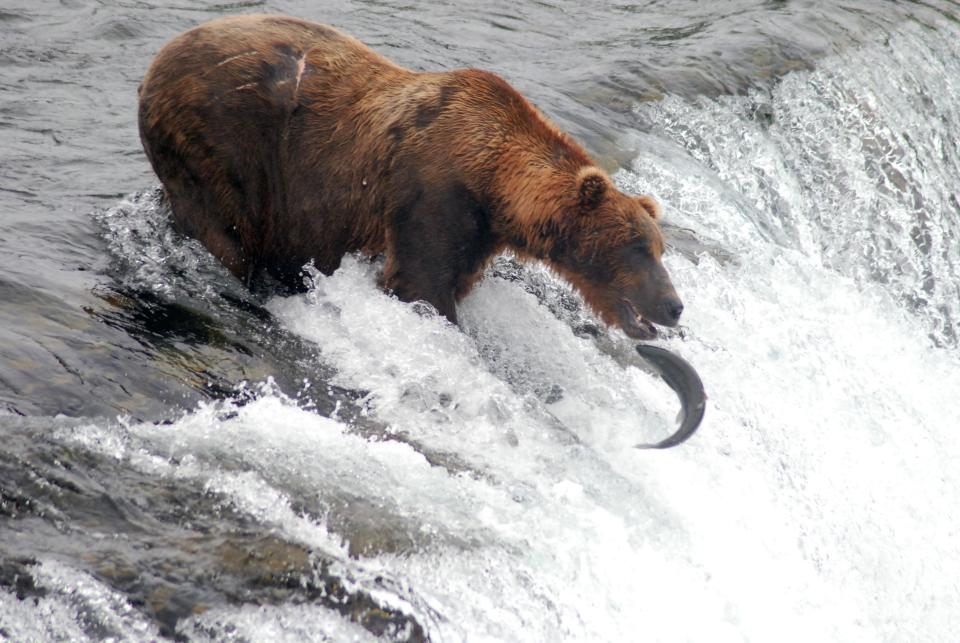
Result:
[280,141]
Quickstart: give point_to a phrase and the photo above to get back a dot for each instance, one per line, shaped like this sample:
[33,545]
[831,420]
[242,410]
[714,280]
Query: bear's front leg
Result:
[420,280]
[434,247]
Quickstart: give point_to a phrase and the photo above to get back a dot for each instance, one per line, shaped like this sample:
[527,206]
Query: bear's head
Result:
[610,247]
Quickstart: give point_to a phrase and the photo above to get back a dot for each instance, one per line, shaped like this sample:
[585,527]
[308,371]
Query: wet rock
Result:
[763,113]
[15,575]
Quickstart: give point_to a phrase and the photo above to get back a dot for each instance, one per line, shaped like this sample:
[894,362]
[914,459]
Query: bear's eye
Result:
[640,247]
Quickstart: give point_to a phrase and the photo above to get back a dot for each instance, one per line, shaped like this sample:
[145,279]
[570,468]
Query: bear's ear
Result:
[591,188]
[649,204]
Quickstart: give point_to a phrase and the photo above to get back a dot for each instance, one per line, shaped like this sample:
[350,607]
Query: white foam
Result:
[75,607]
[293,624]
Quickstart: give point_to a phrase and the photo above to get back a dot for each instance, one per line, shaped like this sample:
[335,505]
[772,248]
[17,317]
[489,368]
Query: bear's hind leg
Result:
[192,219]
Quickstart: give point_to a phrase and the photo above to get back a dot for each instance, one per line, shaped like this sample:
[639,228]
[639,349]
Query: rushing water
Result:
[182,458]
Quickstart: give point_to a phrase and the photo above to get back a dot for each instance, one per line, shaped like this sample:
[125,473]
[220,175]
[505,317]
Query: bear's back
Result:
[239,61]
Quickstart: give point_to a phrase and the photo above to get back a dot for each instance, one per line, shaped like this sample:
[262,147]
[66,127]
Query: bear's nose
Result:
[674,308]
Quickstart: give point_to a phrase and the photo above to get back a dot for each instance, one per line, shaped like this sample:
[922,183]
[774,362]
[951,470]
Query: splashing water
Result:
[500,500]
[854,165]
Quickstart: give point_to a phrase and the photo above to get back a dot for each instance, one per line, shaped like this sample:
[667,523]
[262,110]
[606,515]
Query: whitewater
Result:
[484,483]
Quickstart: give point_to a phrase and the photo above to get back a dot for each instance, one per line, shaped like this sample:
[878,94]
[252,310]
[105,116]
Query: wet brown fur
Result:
[281,141]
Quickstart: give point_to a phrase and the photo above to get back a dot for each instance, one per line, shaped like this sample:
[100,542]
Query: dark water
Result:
[106,312]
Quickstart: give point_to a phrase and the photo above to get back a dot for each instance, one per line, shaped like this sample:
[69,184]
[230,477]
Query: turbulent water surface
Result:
[184,459]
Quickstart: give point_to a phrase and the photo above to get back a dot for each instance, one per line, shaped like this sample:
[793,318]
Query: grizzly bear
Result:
[280,141]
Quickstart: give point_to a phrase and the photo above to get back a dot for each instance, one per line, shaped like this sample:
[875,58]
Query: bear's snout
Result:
[664,310]
[673,308]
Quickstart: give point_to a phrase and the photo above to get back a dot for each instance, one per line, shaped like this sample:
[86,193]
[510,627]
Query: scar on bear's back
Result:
[429,111]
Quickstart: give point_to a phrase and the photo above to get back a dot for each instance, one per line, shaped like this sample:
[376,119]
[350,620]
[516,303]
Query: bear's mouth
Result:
[634,324]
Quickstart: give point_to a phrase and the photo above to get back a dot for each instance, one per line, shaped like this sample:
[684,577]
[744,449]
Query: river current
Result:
[184,459]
